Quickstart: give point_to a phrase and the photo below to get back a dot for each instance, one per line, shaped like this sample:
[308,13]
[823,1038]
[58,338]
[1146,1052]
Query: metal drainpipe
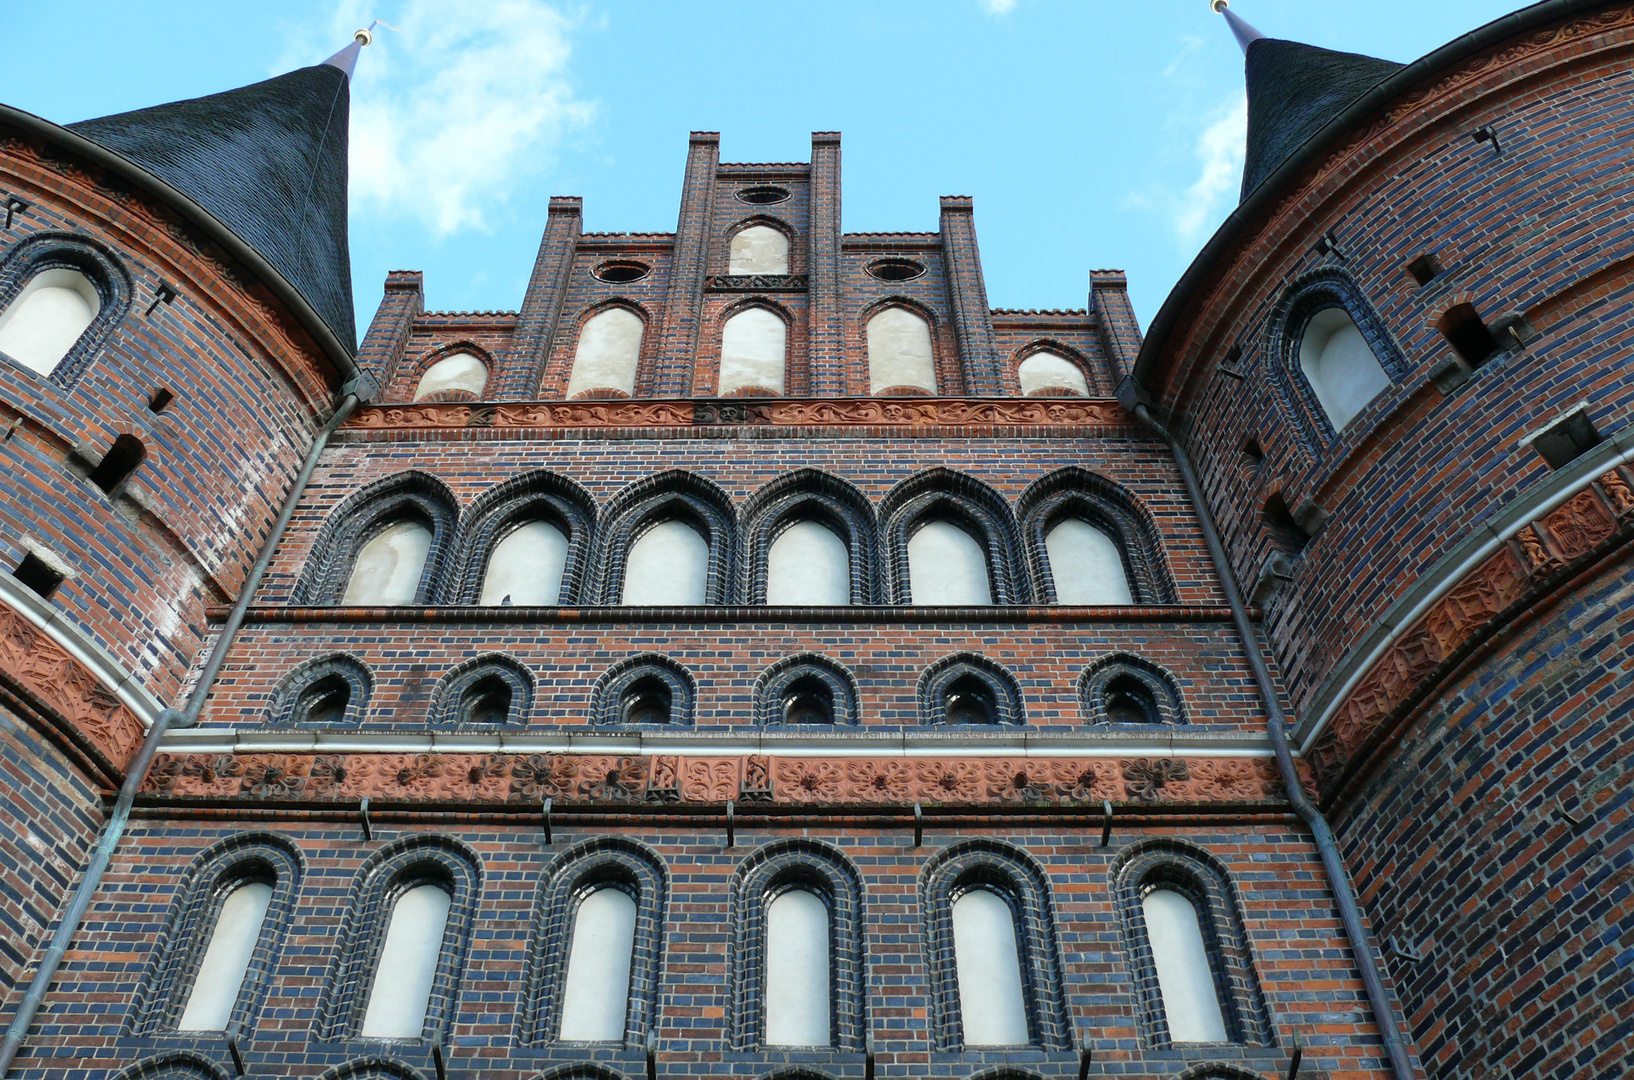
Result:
[137,770]
[1277,724]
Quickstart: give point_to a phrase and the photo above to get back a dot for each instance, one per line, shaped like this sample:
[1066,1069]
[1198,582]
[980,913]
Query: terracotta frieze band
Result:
[1584,529]
[903,416]
[527,779]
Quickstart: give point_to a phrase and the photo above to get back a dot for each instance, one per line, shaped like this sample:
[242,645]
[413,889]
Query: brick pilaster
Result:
[826,349]
[683,306]
[967,292]
[537,323]
[388,334]
[1115,321]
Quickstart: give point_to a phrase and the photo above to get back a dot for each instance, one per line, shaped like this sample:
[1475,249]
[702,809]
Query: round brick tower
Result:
[1400,368]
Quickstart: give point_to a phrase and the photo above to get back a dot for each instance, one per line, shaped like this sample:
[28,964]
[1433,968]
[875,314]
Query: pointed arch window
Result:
[387,570]
[808,565]
[947,565]
[1341,368]
[459,374]
[901,357]
[596,992]
[754,347]
[47,318]
[992,1008]
[1047,372]
[1086,565]
[668,565]
[609,349]
[525,569]
[759,249]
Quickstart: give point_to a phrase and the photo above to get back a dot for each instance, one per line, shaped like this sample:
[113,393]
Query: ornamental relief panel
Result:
[63,688]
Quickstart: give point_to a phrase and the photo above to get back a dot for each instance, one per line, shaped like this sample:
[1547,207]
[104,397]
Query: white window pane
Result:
[1047,370]
[456,371]
[596,992]
[1340,367]
[1184,976]
[408,965]
[609,347]
[1086,565]
[669,565]
[221,976]
[50,313]
[797,970]
[527,567]
[808,565]
[947,566]
[387,570]
[759,249]
[753,345]
[899,351]
[989,969]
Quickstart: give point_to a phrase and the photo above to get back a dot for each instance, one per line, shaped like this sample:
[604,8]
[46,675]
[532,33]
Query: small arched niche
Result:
[596,992]
[525,569]
[1046,372]
[407,965]
[947,566]
[993,1010]
[900,353]
[1342,370]
[808,566]
[48,316]
[754,345]
[1086,565]
[759,249]
[461,371]
[387,570]
[608,352]
[668,566]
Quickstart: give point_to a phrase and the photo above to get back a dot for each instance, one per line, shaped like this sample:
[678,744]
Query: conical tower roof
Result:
[1293,91]
[269,162]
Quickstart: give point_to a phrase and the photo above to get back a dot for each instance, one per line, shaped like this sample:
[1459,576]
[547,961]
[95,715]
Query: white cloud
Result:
[1220,149]
[998,7]
[457,105]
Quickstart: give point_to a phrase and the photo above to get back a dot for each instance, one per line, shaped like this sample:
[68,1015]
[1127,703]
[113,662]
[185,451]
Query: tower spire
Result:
[1245,34]
[346,59]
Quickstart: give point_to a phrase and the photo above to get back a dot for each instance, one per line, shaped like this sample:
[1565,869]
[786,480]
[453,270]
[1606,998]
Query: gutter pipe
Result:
[1361,945]
[137,770]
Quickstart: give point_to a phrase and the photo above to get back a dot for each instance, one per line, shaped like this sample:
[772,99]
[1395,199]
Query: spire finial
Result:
[1246,35]
[346,59]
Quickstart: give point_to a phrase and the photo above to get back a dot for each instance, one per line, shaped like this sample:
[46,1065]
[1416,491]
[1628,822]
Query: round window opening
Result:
[808,701]
[622,271]
[764,195]
[647,701]
[896,269]
[969,701]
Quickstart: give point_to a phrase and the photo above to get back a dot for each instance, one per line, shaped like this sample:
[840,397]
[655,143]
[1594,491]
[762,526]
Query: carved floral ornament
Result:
[63,688]
[527,780]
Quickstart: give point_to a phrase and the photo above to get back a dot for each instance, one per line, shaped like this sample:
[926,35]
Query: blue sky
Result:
[1091,133]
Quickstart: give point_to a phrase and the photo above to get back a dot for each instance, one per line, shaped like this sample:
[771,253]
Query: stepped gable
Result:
[268,161]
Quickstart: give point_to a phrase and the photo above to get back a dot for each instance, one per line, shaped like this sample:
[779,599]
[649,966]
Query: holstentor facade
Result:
[757,657]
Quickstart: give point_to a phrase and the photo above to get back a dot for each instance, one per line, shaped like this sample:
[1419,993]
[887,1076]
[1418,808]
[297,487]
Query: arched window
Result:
[387,570]
[668,565]
[525,569]
[1046,372]
[754,344]
[325,692]
[459,371]
[969,691]
[1185,977]
[946,565]
[649,690]
[407,965]
[596,992]
[1125,689]
[227,958]
[992,1009]
[47,317]
[807,565]
[806,689]
[900,354]
[1343,371]
[759,249]
[604,364]
[1086,565]
[483,691]
[324,701]
[119,464]
[797,962]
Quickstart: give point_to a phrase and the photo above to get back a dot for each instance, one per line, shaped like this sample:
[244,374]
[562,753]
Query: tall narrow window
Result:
[759,249]
[753,346]
[668,565]
[220,977]
[525,569]
[39,327]
[1341,368]
[609,348]
[900,356]
[1191,1002]
[946,565]
[797,963]
[596,993]
[808,565]
[1086,565]
[407,965]
[991,1008]
[387,571]
[456,371]
[1045,372]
